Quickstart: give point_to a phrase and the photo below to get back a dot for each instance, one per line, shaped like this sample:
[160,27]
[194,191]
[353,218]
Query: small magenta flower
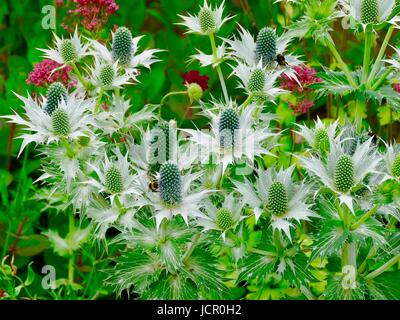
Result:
[47,72]
[396,87]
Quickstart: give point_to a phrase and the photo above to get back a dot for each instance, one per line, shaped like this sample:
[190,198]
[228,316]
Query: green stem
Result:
[66,144]
[364,218]
[71,263]
[248,100]
[277,240]
[191,247]
[380,55]
[218,68]
[78,74]
[170,94]
[383,268]
[370,254]
[383,78]
[339,59]
[97,107]
[262,252]
[367,53]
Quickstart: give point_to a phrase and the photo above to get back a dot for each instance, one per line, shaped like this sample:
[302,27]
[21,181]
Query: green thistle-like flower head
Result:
[207,21]
[83,141]
[321,140]
[114,181]
[170,184]
[60,122]
[122,46]
[229,124]
[224,219]
[67,51]
[266,47]
[107,75]
[277,198]
[55,94]
[344,173]
[396,167]
[257,81]
[160,144]
[195,92]
[369,11]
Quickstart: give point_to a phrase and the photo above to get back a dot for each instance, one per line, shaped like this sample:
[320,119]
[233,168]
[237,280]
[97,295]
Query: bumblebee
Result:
[280,59]
[153,185]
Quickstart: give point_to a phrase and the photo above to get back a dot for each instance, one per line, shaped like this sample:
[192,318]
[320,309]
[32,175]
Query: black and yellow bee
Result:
[280,59]
[153,185]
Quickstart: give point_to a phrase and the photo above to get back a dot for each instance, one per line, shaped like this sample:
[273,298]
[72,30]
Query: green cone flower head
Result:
[277,198]
[321,140]
[266,47]
[170,184]
[207,21]
[369,11]
[228,126]
[257,81]
[67,51]
[60,122]
[396,167]
[122,46]
[160,145]
[344,173]
[114,180]
[55,94]
[224,219]
[107,75]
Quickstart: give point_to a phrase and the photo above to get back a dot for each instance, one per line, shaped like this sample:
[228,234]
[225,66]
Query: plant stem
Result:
[277,240]
[370,254]
[248,100]
[78,74]
[339,59]
[383,268]
[169,94]
[98,102]
[367,53]
[218,68]
[262,252]
[70,151]
[191,247]
[364,218]
[380,55]
[383,78]
[71,263]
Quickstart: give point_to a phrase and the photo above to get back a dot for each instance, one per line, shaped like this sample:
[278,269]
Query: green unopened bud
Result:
[344,173]
[114,181]
[107,75]
[369,11]
[277,198]
[224,219]
[321,141]
[396,167]
[55,94]
[60,122]
[122,46]
[195,92]
[266,47]
[207,21]
[68,51]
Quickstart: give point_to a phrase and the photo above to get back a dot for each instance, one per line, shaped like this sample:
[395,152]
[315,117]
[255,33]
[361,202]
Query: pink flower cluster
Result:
[305,77]
[92,14]
[396,87]
[43,74]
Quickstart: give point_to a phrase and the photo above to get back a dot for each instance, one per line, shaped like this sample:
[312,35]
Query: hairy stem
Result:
[217,67]
[367,53]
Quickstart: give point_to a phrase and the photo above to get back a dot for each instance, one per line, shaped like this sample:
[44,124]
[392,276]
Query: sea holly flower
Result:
[209,20]
[223,218]
[209,59]
[68,121]
[115,177]
[232,137]
[67,50]
[125,52]
[344,172]
[368,11]
[265,49]
[275,192]
[108,75]
[175,195]
[391,159]
[318,138]
[257,81]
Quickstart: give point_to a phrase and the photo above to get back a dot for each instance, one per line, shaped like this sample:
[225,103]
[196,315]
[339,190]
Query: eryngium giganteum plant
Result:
[157,210]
